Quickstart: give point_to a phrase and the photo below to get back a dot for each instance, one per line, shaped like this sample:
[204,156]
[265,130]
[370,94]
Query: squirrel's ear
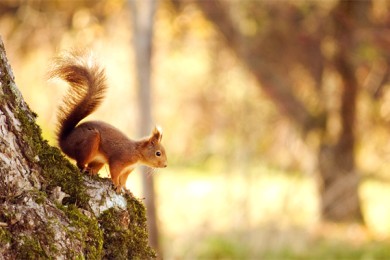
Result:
[156,134]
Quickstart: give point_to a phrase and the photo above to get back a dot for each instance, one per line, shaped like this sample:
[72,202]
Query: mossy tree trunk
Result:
[48,209]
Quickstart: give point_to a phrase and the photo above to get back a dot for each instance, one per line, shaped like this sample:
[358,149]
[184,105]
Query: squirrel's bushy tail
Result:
[87,83]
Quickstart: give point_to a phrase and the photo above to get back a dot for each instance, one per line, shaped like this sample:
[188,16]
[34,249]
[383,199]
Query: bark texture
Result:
[48,209]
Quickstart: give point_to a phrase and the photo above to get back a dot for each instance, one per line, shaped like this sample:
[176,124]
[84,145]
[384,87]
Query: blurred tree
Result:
[274,40]
[143,20]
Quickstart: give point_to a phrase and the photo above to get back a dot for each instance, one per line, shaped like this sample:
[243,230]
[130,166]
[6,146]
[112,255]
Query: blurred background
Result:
[276,116]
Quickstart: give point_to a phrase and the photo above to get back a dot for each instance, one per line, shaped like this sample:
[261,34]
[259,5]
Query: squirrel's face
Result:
[160,158]
[154,154]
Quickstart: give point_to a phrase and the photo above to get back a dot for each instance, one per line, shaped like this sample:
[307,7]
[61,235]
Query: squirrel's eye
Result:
[158,153]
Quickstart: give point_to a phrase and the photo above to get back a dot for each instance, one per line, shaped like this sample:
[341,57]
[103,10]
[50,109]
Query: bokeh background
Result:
[276,116]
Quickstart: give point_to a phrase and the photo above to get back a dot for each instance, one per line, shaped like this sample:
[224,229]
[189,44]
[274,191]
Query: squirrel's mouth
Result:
[163,165]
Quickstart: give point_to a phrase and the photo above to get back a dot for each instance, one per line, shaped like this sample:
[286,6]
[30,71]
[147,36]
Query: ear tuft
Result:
[158,129]
[157,134]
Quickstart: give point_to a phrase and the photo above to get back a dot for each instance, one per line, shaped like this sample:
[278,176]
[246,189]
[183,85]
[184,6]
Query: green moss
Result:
[40,197]
[123,240]
[5,236]
[30,248]
[38,245]
[60,172]
[86,230]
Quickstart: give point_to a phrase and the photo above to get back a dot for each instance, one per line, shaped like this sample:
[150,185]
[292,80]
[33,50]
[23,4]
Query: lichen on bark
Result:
[48,209]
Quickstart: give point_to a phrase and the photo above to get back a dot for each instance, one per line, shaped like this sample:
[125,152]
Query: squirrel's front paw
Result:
[118,189]
[88,171]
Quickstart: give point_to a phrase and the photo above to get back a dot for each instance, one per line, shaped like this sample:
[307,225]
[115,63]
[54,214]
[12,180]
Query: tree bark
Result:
[48,209]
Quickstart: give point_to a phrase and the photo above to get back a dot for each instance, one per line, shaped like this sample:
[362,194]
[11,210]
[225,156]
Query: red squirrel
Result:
[94,143]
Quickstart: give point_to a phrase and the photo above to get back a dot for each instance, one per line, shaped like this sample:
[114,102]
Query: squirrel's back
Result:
[87,83]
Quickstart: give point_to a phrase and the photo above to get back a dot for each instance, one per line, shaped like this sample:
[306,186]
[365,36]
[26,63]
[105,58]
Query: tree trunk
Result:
[340,182]
[48,209]
[263,56]
[143,20]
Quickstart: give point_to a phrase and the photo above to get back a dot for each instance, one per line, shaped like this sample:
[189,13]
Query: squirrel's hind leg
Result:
[94,167]
[87,150]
